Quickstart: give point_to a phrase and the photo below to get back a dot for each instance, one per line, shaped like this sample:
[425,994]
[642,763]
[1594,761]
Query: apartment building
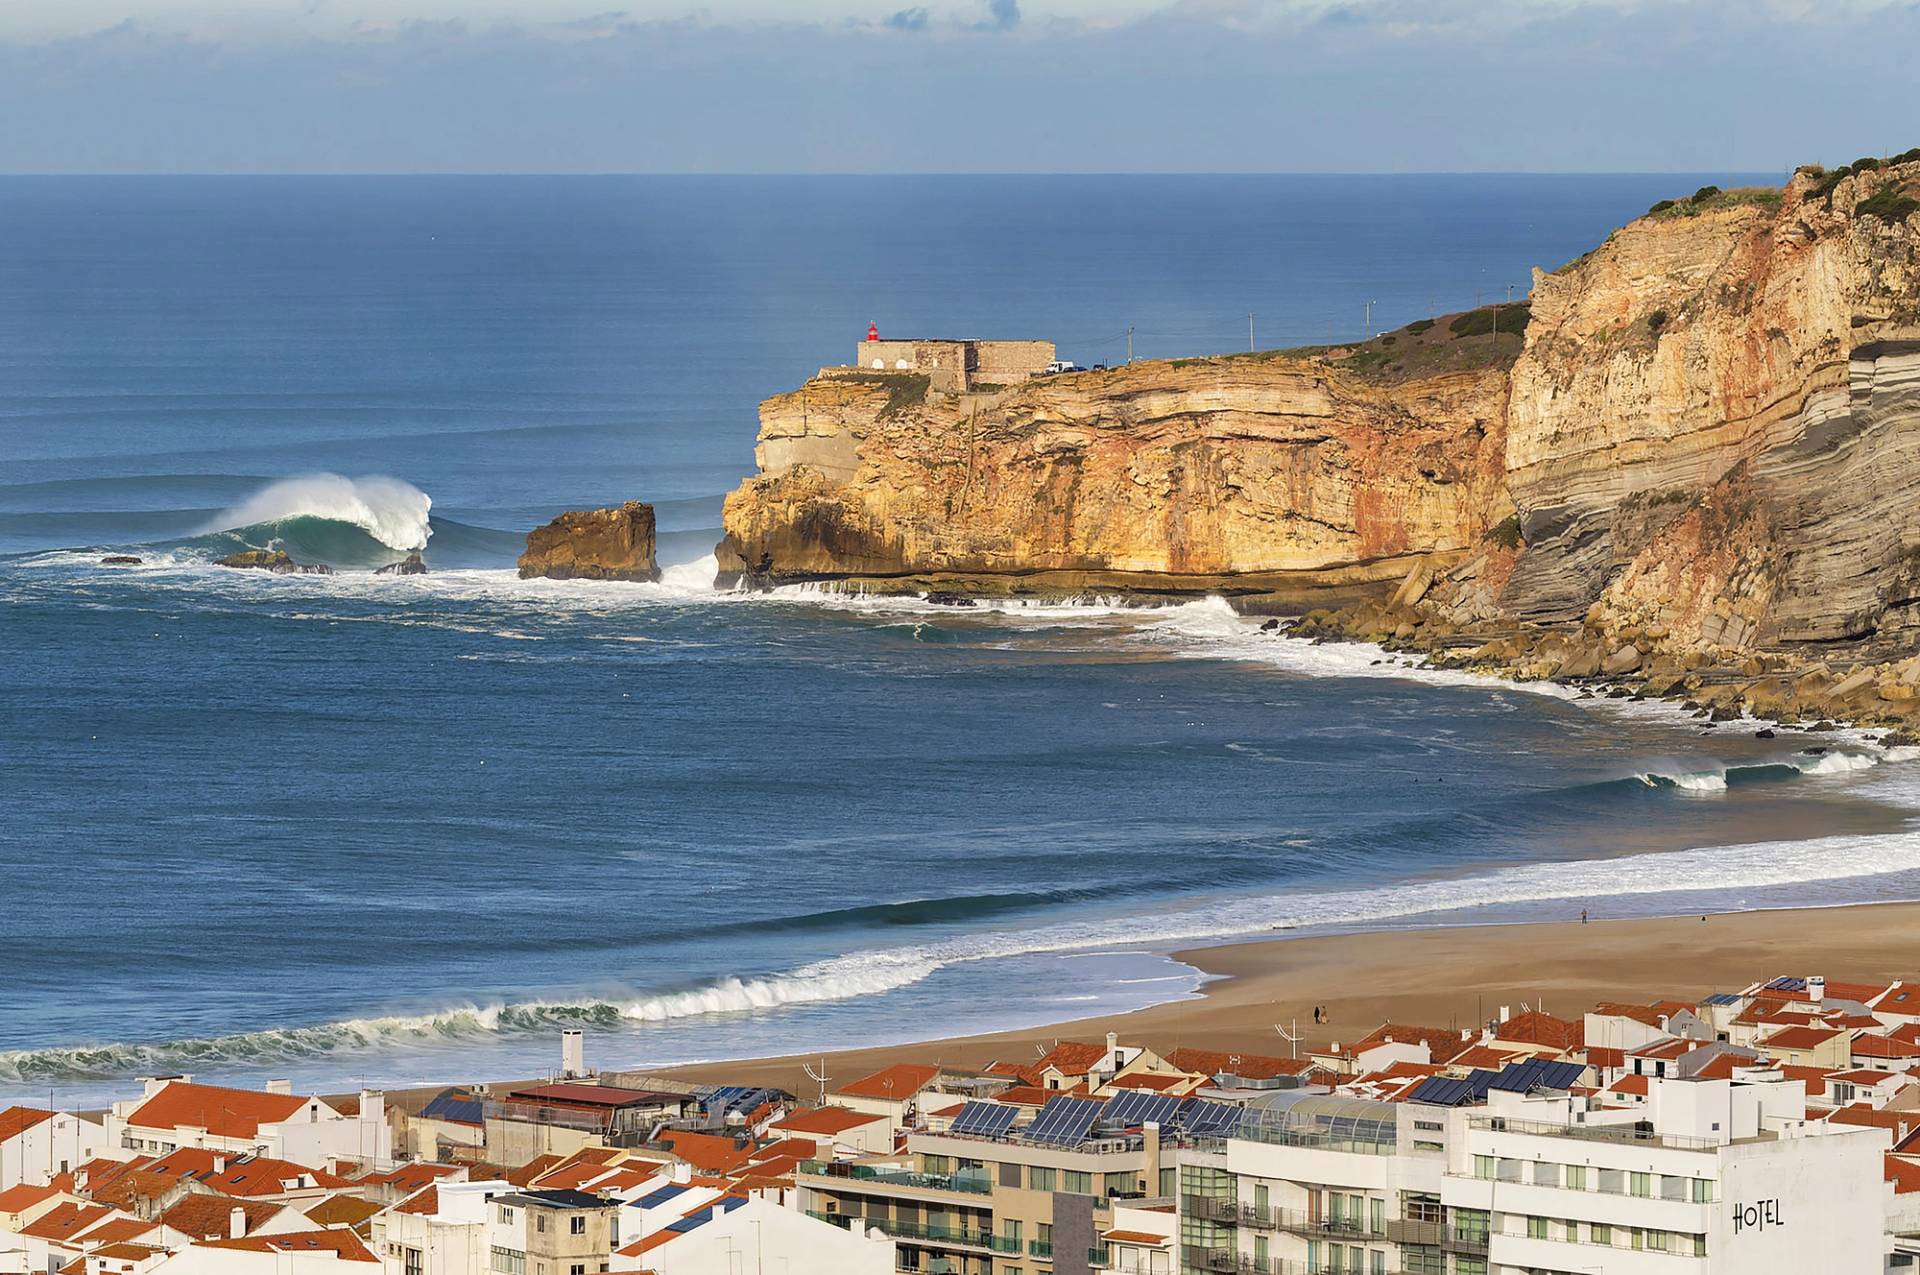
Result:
[550,1232]
[988,1198]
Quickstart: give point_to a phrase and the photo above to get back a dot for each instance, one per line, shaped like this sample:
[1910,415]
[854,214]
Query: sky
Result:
[786,86]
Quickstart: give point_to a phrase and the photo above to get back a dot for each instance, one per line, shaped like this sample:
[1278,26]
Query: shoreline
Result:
[1453,976]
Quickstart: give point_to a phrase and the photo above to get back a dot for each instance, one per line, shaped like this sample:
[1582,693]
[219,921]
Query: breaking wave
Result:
[1716,870]
[393,512]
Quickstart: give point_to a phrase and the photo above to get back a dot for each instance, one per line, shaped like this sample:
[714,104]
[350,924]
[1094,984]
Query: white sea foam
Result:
[390,510]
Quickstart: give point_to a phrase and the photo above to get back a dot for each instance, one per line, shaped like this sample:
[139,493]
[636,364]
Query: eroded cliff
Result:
[1704,451]
[1278,476]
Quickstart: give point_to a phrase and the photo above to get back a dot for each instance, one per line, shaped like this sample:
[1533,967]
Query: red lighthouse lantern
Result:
[873,332]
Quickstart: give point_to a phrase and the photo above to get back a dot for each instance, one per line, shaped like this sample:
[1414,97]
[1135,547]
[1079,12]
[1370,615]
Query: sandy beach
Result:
[1450,977]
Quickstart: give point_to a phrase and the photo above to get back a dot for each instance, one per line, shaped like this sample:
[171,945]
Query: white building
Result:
[174,1112]
[441,1230]
[37,1146]
[1710,1176]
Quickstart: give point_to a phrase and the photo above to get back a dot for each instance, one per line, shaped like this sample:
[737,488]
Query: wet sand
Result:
[1452,977]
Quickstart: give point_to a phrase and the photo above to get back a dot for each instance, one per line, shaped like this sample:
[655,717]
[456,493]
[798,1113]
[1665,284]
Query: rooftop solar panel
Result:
[654,1199]
[985,1119]
[1138,1107]
[1209,1117]
[698,1218]
[1064,1122]
[1442,1091]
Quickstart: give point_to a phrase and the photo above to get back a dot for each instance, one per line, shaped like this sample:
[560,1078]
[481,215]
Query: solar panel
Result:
[1199,1117]
[1064,1122]
[1787,983]
[985,1119]
[691,1220]
[1536,1073]
[654,1199]
[1138,1107]
[1441,1091]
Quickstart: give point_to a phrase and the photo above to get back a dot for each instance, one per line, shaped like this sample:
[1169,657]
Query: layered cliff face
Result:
[1706,445]
[1274,476]
[594,544]
[1716,423]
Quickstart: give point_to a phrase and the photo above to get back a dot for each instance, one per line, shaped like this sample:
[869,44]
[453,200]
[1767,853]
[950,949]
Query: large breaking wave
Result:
[393,512]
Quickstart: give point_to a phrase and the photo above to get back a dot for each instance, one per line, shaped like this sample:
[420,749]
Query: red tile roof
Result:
[897,1083]
[826,1121]
[18,1199]
[1213,1062]
[207,1217]
[1799,1038]
[17,1120]
[222,1112]
[341,1243]
[1442,1045]
[1904,1174]
[704,1151]
[67,1220]
[1536,1028]
[1072,1057]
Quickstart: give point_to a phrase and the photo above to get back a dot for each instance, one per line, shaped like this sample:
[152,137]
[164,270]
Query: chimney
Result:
[1816,988]
[80,1180]
[1506,1013]
[280,1086]
[573,1053]
[1150,1145]
[1113,1049]
[237,1223]
[219,1164]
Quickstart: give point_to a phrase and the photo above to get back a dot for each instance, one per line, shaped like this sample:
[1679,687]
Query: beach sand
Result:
[1453,977]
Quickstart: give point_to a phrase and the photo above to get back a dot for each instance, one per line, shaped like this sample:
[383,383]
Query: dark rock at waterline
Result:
[411,565]
[275,560]
[1823,724]
[1726,715]
[119,560]
[1763,733]
[594,544]
[943,599]
[1898,739]
[1270,626]
[1812,752]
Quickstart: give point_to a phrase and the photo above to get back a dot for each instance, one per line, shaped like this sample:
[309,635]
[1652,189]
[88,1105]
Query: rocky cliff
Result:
[1703,448]
[594,544]
[1283,477]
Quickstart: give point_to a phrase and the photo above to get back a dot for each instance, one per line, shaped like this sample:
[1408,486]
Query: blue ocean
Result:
[368,828]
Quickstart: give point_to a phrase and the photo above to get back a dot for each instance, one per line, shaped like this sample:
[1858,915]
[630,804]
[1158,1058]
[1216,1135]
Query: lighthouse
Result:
[873,332]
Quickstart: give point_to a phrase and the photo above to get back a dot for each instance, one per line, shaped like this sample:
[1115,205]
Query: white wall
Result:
[774,1239]
[49,1148]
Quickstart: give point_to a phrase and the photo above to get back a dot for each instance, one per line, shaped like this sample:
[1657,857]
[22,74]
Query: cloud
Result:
[907,20]
[1003,15]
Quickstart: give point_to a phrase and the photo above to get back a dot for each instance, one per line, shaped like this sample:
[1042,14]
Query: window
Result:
[1379,1262]
[540,1223]
[506,1215]
[1576,1177]
[1546,1174]
[1075,1182]
[577,1225]
[1599,1234]
[1642,1184]
[1536,1228]
[1483,1167]
[1702,1191]
[1657,1241]
[509,1261]
[411,1260]
[578,1268]
[1009,1174]
[1699,1246]
[936,1165]
[1042,1179]
[1121,1184]
[1377,1217]
[1169,1183]
[1013,1232]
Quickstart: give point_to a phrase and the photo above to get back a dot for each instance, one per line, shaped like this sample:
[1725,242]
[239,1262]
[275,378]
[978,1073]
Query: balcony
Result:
[1042,1249]
[1336,1228]
[1226,1212]
[1469,1240]
[975,1183]
[920,1234]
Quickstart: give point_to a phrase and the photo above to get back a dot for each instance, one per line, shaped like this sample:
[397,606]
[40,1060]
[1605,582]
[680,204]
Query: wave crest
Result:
[392,511]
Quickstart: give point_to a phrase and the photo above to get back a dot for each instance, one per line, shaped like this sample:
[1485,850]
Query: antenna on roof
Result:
[818,1077]
[1291,1037]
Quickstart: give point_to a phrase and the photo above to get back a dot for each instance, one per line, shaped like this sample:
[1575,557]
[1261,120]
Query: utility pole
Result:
[1129,343]
[1249,332]
[1369,320]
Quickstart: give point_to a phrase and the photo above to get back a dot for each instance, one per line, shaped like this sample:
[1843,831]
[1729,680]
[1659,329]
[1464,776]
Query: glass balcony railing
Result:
[973,1183]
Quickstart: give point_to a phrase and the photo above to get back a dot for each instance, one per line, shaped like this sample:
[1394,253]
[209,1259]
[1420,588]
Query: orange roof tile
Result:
[704,1151]
[1799,1038]
[896,1083]
[18,1199]
[1135,1237]
[222,1112]
[1536,1028]
[17,1120]
[1442,1045]
[341,1243]
[65,1221]
[827,1121]
[113,1230]
[1213,1062]
[1904,1174]
[211,1216]
[1072,1057]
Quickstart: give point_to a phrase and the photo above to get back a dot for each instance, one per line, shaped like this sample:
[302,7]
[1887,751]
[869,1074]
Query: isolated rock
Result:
[274,560]
[411,565]
[594,544]
[119,560]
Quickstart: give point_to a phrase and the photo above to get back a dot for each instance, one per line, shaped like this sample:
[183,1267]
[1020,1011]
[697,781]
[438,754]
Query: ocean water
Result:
[369,828]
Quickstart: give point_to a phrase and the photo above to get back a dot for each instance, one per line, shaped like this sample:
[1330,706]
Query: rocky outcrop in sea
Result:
[594,544]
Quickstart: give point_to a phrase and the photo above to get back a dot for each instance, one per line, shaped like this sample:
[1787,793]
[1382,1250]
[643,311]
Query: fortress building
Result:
[954,367]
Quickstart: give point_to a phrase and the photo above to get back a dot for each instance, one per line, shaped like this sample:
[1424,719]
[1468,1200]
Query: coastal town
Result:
[1770,1127]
